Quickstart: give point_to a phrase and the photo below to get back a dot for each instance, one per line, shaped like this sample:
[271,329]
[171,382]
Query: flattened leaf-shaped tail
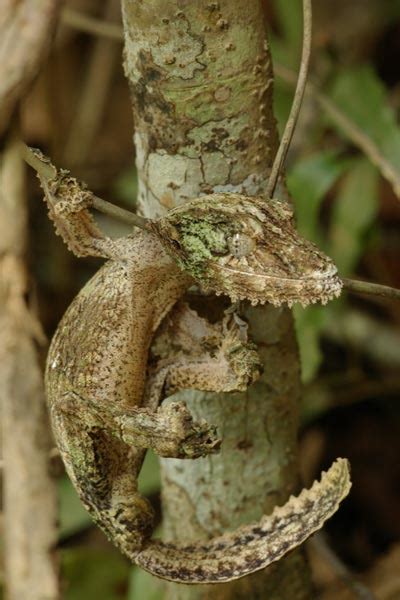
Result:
[252,547]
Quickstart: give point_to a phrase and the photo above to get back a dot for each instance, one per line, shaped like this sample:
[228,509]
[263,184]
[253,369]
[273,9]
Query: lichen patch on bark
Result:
[192,69]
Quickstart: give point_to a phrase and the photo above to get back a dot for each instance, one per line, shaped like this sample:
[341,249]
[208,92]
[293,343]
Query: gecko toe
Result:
[202,442]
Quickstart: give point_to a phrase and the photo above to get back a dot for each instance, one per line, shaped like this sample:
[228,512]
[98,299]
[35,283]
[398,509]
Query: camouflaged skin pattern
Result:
[104,398]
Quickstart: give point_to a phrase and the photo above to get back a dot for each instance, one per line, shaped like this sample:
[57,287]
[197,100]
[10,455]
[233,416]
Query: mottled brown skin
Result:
[104,397]
[255,546]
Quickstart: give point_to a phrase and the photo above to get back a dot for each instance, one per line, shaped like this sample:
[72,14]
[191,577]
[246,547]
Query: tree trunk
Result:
[29,492]
[201,80]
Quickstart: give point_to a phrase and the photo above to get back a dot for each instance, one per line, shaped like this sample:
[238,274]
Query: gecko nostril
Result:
[329,271]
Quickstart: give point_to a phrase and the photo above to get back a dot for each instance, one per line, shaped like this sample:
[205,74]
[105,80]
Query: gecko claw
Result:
[187,438]
[202,443]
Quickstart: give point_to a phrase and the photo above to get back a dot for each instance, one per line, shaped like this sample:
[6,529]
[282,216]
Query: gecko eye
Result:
[174,238]
[176,244]
[240,245]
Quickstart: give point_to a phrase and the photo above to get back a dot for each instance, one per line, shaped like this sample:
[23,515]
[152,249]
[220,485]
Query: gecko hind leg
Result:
[104,472]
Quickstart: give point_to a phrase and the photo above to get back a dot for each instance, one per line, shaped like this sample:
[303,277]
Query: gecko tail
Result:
[255,546]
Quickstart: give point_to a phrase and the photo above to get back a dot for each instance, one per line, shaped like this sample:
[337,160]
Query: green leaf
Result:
[308,181]
[126,186]
[362,98]
[353,214]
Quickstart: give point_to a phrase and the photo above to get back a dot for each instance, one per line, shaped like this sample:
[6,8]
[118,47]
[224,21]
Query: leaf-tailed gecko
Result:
[104,399]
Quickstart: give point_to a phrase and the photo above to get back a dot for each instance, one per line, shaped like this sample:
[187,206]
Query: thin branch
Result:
[322,548]
[88,24]
[112,210]
[47,172]
[297,101]
[42,168]
[353,132]
[365,287]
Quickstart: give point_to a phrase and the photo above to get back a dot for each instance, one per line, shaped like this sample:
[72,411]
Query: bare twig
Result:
[88,24]
[30,511]
[359,589]
[48,172]
[42,168]
[365,287]
[119,213]
[298,98]
[353,132]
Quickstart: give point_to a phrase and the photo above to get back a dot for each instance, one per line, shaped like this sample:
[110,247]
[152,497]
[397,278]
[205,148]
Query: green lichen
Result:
[200,240]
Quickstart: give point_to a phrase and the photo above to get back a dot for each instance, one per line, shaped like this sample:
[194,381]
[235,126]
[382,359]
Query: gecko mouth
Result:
[274,289]
[327,275]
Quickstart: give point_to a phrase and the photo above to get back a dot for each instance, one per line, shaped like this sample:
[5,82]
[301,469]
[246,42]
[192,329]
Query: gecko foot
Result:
[202,442]
[184,437]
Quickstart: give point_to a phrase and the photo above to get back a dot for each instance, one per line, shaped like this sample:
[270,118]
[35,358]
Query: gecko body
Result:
[104,396]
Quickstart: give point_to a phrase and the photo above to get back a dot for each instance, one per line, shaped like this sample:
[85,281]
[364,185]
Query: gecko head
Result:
[248,249]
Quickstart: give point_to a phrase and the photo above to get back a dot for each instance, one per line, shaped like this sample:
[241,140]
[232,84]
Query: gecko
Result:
[104,393]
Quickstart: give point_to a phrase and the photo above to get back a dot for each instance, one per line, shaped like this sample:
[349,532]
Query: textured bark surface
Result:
[201,80]
[29,494]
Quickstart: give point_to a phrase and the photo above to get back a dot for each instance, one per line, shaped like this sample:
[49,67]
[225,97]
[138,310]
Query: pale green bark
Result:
[201,80]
